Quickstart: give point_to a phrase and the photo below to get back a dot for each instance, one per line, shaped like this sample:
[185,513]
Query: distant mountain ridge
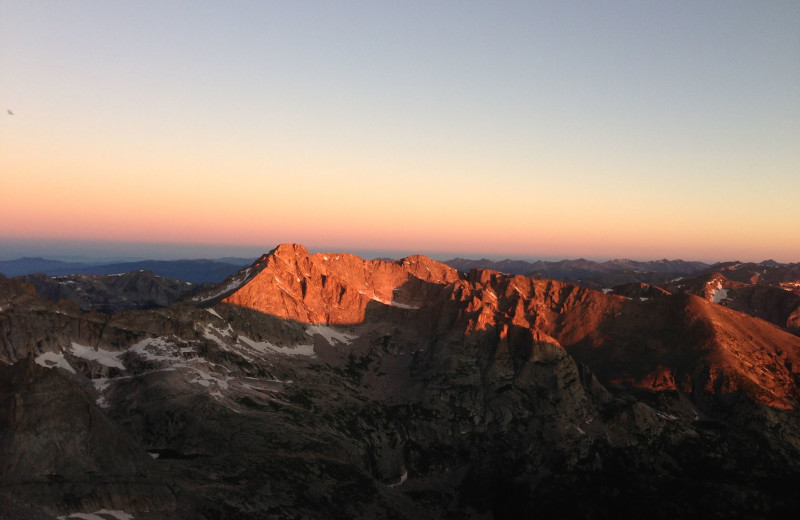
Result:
[580,265]
[597,275]
[590,272]
[194,271]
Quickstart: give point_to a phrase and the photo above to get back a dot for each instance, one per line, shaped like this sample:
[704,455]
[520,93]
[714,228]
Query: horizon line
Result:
[119,251]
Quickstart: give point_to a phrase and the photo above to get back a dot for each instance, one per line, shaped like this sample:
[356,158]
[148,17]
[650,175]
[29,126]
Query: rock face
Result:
[335,289]
[329,386]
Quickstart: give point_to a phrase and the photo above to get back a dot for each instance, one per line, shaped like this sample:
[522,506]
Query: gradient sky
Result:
[640,129]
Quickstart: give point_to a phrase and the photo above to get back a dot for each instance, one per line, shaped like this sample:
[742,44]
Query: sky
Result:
[522,129]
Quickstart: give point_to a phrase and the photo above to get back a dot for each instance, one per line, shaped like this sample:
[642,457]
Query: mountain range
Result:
[583,272]
[330,386]
[194,271]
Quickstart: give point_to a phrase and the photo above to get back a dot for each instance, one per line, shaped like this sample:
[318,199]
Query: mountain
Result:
[110,293]
[194,271]
[778,304]
[768,272]
[328,386]
[31,265]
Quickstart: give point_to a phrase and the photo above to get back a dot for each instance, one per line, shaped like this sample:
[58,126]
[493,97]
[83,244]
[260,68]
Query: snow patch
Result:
[403,305]
[159,349]
[719,293]
[228,331]
[116,514]
[403,478]
[52,360]
[212,311]
[330,334]
[391,303]
[206,379]
[104,357]
[606,291]
[100,384]
[265,347]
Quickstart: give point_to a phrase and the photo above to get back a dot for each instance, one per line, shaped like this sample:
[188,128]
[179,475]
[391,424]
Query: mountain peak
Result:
[332,287]
[289,250]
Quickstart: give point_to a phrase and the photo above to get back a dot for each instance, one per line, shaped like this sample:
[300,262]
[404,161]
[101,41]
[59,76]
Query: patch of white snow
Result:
[158,349]
[265,347]
[403,305]
[116,514]
[104,357]
[52,360]
[206,379]
[330,334]
[719,293]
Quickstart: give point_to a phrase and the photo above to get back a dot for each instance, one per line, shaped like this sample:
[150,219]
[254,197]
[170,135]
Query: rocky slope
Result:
[327,386]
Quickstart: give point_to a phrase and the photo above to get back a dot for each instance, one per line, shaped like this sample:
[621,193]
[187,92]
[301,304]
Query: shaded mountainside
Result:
[110,293]
[777,304]
[328,386]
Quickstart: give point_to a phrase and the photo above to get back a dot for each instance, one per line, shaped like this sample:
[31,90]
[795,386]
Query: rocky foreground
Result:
[327,386]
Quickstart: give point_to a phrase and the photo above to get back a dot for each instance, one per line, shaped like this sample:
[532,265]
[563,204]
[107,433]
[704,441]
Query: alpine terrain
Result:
[329,386]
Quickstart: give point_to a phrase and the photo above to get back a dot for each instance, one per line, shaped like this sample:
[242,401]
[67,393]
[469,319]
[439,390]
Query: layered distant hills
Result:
[330,386]
[195,271]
